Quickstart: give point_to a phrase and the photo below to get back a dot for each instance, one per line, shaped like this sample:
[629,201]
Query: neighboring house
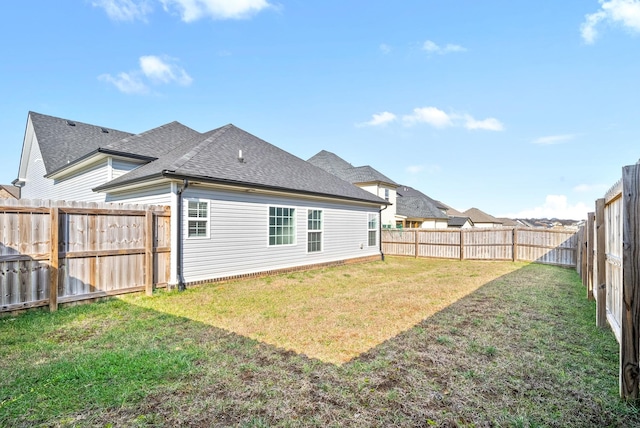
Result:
[456,222]
[508,222]
[418,210]
[9,192]
[239,205]
[365,177]
[481,219]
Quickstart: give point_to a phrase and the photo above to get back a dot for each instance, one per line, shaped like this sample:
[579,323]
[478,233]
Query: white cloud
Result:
[489,124]
[379,119]
[125,10]
[433,47]
[128,83]
[163,70]
[192,10]
[153,70]
[431,115]
[622,12]
[555,206]
[554,139]
[385,48]
[440,119]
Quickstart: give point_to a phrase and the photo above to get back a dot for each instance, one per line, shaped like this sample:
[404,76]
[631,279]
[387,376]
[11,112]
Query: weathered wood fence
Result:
[60,252]
[610,270]
[548,246]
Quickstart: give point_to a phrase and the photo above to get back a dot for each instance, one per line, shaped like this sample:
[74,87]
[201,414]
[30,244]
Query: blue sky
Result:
[518,108]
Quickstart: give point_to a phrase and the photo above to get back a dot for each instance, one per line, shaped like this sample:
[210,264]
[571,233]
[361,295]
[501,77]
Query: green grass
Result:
[521,350]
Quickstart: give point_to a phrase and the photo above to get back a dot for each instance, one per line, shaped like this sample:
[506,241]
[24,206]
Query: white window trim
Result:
[207,219]
[295,225]
[321,230]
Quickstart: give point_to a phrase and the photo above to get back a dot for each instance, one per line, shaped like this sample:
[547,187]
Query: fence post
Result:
[54,259]
[629,368]
[590,248]
[148,253]
[417,243]
[461,244]
[514,244]
[601,280]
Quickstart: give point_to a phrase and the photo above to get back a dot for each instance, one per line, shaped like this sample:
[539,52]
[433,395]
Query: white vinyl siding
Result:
[36,186]
[77,187]
[150,195]
[121,167]
[239,239]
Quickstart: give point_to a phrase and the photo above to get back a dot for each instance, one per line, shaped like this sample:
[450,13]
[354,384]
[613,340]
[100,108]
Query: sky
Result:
[518,108]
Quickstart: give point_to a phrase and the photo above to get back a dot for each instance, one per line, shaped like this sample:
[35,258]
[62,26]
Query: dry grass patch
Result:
[332,314]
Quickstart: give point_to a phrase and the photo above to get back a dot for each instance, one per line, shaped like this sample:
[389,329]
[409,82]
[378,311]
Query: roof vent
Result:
[240,158]
[104,130]
[71,123]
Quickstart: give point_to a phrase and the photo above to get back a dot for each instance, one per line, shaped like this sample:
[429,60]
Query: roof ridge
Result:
[133,137]
[215,133]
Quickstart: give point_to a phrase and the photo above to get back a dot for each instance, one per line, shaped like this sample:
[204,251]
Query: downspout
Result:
[181,284]
[380,229]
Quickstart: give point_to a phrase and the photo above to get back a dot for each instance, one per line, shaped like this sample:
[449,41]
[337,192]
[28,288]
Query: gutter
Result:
[380,229]
[179,267]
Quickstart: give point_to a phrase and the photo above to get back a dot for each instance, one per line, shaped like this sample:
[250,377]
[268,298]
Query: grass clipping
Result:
[334,314]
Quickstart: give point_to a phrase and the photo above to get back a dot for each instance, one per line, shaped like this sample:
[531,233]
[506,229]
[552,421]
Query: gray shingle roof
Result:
[458,221]
[413,203]
[213,157]
[337,166]
[62,141]
[479,216]
[155,142]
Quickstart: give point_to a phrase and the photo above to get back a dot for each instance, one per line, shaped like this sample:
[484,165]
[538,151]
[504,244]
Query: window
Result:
[282,230]
[386,194]
[198,219]
[314,231]
[373,229]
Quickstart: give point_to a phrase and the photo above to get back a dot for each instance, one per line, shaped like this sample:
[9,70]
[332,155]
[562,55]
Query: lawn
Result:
[403,342]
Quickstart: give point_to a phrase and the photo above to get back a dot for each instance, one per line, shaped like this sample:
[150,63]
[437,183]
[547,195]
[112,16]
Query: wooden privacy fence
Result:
[548,246]
[610,269]
[60,252]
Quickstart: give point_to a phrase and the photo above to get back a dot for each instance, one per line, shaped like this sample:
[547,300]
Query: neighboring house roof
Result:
[337,166]
[214,157]
[11,190]
[478,216]
[63,141]
[508,222]
[412,203]
[458,221]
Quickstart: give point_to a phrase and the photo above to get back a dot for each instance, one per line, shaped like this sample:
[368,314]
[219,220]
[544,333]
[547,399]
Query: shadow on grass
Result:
[522,350]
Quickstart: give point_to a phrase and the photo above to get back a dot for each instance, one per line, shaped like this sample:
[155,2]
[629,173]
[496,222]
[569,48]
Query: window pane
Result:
[282,226]
[372,238]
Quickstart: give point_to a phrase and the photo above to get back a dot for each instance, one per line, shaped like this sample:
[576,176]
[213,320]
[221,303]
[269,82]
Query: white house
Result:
[239,204]
[365,177]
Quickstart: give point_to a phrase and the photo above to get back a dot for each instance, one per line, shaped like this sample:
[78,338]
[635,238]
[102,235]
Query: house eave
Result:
[93,157]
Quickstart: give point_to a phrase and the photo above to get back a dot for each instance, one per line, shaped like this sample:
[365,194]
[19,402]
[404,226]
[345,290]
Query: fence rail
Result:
[557,247]
[60,252]
[610,270]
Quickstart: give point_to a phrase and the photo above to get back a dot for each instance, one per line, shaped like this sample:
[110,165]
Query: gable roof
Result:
[456,221]
[412,203]
[63,141]
[213,157]
[339,167]
[155,142]
[478,216]
[12,190]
